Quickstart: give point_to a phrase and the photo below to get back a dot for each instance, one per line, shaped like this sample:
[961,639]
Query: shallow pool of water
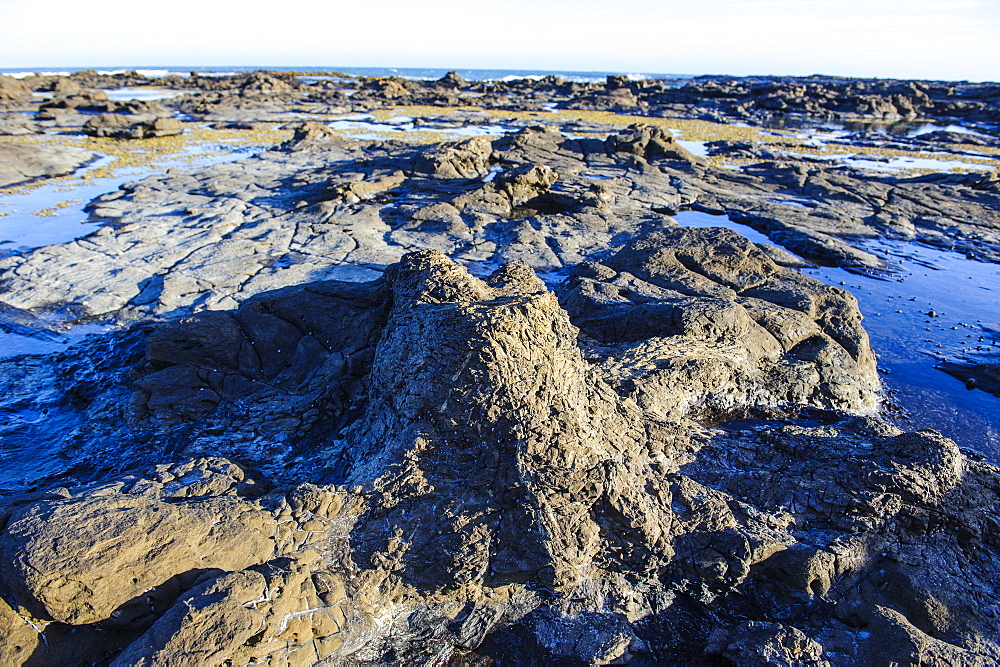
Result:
[945,163]
[15,344]
[141,94]
[51,213]
[365,126]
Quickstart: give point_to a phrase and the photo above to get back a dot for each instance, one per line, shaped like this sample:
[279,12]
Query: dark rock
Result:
[453,80]
[120,126]
[650,143]
[976,371]
[260,82]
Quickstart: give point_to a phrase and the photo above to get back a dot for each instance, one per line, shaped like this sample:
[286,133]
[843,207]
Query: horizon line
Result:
[539,70]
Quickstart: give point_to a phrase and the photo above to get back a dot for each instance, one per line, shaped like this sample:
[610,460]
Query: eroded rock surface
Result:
[702,320]
[482,490]
[325,207]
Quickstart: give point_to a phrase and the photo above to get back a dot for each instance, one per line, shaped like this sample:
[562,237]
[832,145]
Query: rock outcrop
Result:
[465,159]
[136,126]
[702,320]
[482,491]
[13,92]
[650,143]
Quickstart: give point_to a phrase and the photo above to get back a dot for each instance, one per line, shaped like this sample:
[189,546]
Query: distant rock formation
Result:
[137,126]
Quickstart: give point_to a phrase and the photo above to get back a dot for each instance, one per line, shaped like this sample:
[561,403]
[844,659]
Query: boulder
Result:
[311,134]
[453,80]
[9,84]
[463,159]
[526,182]
[391,88]
[650,143]
[139,126]
[207,626]
[260,82]
[13,91]
[756,643]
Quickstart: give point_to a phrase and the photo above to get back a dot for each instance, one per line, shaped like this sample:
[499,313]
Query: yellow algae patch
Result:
[973,148]
[693,130]
[21,189]
[190,147]
[689,130]
[51,211]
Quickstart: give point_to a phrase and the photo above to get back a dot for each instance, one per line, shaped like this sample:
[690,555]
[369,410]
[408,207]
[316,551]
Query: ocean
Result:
[416,73]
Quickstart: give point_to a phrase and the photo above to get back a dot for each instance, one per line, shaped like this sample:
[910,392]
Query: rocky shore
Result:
[483,400]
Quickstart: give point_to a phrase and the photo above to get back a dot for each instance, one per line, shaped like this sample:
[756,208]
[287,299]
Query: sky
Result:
[924,39]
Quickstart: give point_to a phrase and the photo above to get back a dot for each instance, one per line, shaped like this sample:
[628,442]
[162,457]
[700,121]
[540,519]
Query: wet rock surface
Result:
[15,124]
[484,401]
[977,371]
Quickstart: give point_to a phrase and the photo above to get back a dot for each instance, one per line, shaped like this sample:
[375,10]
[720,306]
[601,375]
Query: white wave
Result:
[522,77]
[22,75]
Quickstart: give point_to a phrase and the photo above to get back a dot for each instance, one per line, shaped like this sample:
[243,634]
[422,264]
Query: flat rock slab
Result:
[12,124]
[20,163]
